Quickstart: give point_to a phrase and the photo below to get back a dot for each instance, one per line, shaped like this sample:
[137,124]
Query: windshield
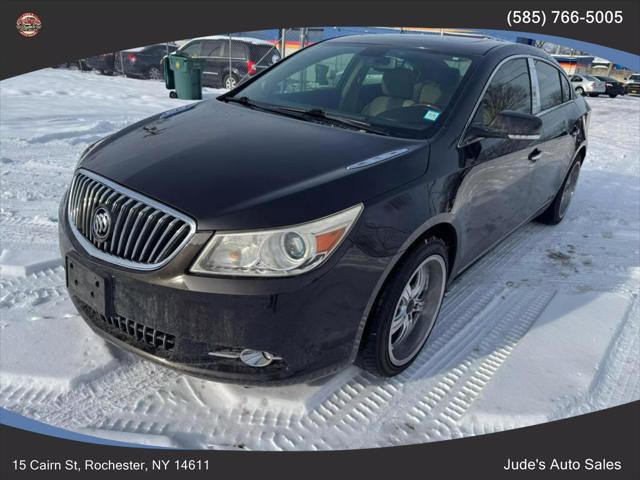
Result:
[634,78]
[401,91]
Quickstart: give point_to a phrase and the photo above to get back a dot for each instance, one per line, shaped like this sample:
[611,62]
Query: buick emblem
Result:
[101,223]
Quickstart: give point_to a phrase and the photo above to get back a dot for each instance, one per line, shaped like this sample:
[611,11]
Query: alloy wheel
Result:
[230,82]
[154,73]
[417,309]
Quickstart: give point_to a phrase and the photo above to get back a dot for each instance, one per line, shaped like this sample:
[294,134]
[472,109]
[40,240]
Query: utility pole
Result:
[230,65]
[283,42]
[303,34]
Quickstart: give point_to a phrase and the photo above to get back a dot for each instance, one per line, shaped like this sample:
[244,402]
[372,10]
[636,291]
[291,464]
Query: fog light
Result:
[255,358]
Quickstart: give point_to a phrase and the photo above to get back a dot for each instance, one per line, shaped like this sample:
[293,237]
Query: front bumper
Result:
[312,322]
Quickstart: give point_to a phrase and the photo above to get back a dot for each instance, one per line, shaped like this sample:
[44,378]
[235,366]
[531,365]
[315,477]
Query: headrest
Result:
[441,81]
[398,83]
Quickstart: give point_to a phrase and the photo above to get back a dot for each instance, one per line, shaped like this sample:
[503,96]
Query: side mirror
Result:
[509,124]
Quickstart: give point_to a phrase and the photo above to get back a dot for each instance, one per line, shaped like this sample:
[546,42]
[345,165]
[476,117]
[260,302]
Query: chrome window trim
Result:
[542,112]
[112,259]
[535,87]
[535,91]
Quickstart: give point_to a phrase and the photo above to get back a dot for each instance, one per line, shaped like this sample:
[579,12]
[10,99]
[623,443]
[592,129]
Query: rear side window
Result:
[193,49]
[549,83]
[566,88]
[510,89]
[212,48]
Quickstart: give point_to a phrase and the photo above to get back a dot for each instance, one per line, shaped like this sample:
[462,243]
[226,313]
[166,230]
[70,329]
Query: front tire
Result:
[555,212]
[405,311]
[613,95]
[230,82]
[580,91]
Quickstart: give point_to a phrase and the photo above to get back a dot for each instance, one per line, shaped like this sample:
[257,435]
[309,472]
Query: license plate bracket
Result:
[87,285]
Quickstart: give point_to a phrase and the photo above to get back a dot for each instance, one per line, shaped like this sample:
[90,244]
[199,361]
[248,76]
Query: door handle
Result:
[535,155]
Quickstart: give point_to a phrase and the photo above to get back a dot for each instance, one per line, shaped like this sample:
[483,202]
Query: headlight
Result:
[278,252]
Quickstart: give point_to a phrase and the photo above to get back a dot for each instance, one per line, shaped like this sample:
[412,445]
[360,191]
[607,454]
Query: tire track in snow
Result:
[119,389]
[452,382]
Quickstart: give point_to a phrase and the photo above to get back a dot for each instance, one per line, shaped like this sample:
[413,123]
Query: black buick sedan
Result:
[314,216]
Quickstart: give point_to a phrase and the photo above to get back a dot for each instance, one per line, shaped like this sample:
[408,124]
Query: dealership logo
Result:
[28,24]
[101,224]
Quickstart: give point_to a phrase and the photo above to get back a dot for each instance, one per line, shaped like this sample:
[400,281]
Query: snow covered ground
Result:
[545,326]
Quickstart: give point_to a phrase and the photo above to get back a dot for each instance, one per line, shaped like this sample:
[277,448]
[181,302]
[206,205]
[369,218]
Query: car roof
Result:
[251,40]
[141,49]
[453,44]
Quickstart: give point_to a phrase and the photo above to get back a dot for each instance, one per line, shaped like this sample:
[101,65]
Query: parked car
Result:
[587,85]
[305,220]
[80,64]
[143,62]
[103,63]
[231,61]
[632,86]
[613,87]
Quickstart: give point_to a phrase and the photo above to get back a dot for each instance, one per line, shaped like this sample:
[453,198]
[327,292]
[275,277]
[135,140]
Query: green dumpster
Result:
[168,74]
[185,73]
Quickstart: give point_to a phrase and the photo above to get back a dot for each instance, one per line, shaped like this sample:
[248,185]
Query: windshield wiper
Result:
[241,100]
[267,107]
[317,113]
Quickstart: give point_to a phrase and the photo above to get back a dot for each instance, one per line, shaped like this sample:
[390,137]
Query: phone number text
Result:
[540,17]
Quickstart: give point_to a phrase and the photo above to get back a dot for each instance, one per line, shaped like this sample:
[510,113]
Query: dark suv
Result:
[315,215]
[143,62]
[229,61]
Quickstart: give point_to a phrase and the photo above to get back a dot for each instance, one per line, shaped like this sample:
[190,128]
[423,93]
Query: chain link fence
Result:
[227,60]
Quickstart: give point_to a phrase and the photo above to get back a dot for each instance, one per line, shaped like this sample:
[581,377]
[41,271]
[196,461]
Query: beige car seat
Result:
[439,87]
[397,86]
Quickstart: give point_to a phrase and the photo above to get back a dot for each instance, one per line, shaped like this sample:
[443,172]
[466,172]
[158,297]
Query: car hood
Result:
[231,167]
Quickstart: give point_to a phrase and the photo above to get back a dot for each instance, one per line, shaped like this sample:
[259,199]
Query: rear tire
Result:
[405,311]
[555,212]
[154,73]
[613,95]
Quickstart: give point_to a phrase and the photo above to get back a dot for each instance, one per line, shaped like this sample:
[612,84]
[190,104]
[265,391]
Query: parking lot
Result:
[545,326]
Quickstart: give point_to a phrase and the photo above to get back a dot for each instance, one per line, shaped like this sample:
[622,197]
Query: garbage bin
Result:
[168,74]
[187,76]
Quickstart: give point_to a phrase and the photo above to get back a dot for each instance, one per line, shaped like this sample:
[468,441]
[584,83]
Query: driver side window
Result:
[510,89]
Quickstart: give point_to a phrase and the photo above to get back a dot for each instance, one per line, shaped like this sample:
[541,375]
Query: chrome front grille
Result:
[123,227]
